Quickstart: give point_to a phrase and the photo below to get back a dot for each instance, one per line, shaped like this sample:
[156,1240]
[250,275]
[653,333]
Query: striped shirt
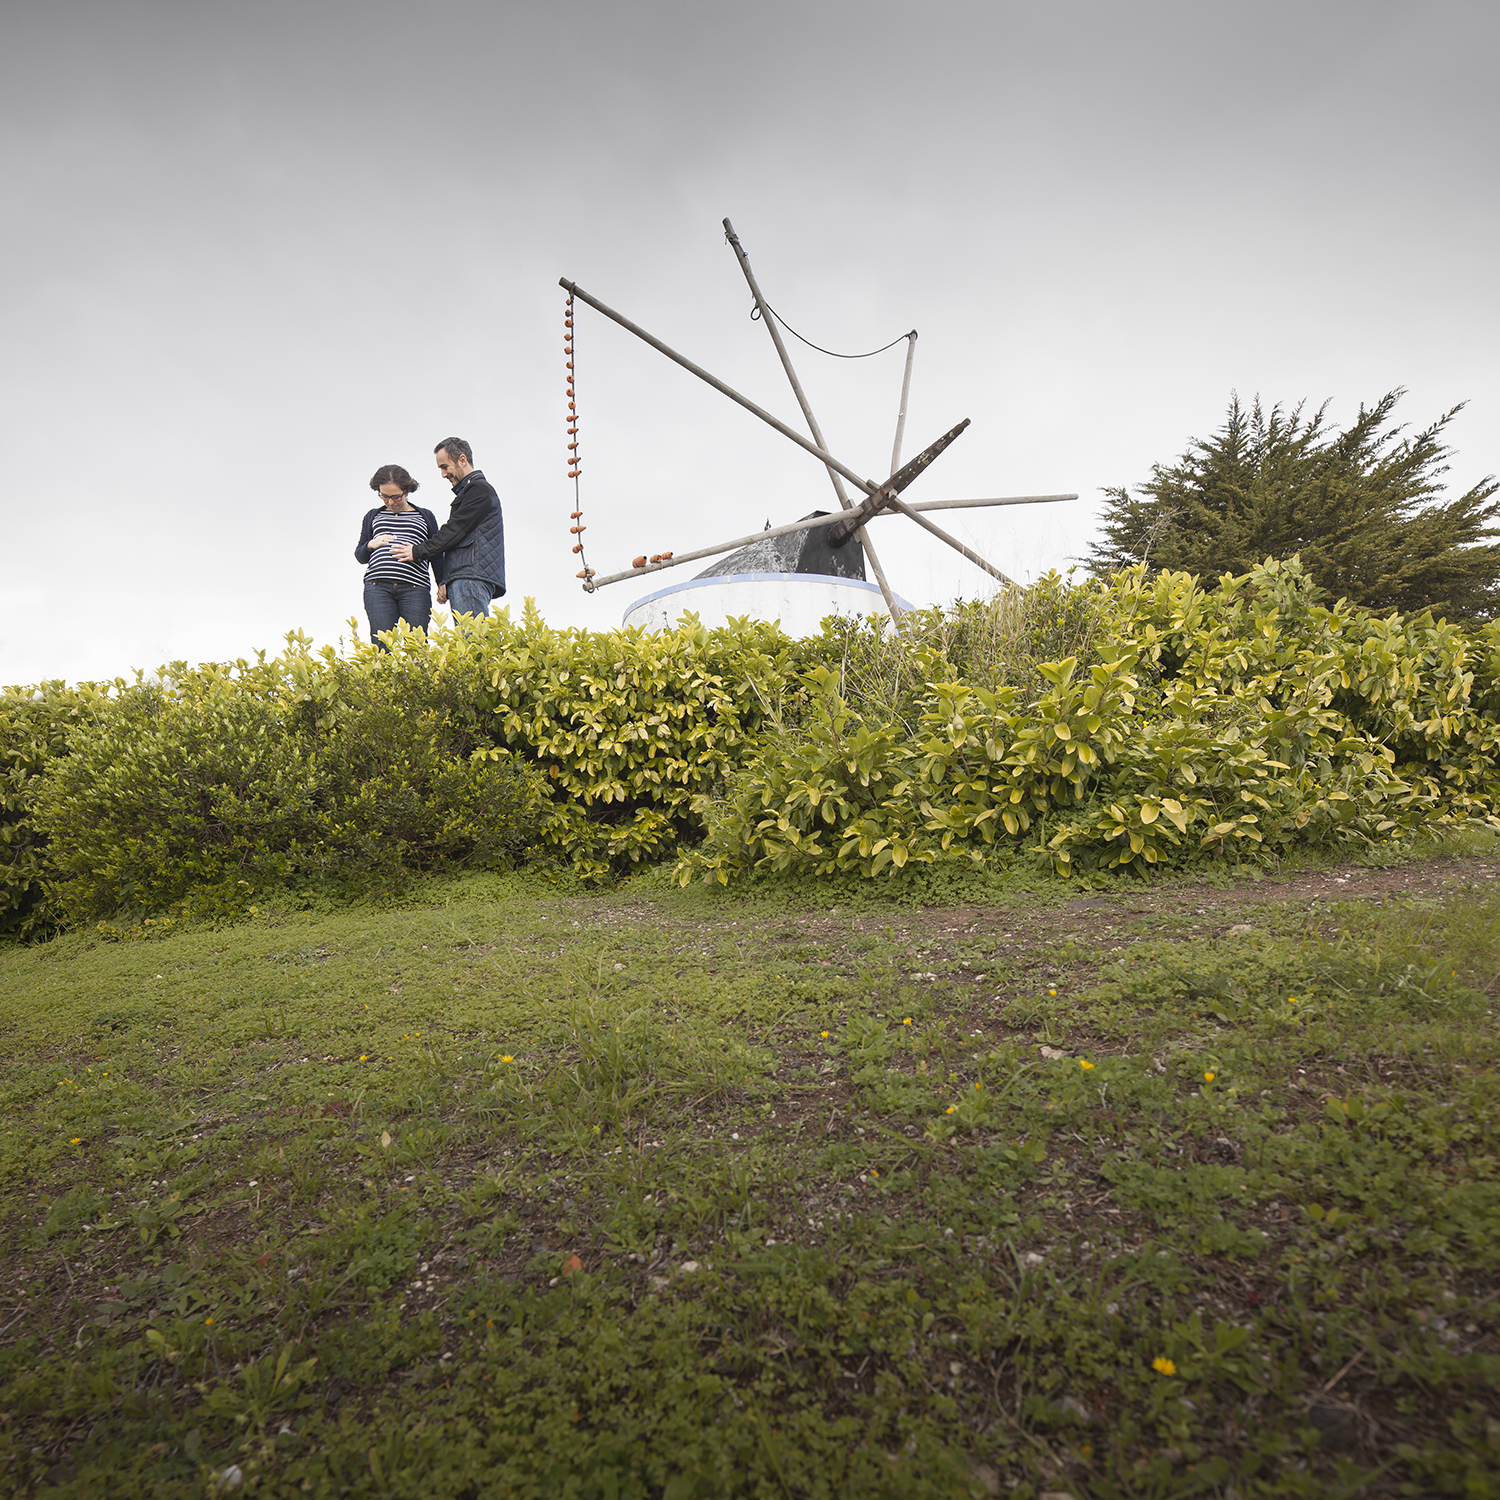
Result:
[405,526]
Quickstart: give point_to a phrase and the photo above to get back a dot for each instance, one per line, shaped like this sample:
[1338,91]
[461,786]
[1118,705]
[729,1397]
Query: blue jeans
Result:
[469,596]
[385,603]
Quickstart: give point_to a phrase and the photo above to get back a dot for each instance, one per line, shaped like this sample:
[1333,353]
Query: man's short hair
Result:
[455,447]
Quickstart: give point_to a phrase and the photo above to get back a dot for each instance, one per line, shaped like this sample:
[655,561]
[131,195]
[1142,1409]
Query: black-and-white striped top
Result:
[406,526]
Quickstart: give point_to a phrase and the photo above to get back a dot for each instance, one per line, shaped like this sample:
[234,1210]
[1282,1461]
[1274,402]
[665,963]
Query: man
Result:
[473,537]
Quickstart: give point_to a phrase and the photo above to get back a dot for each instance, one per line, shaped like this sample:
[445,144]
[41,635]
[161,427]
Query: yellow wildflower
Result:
[76,1141]
[1209,1076]
[823,1033]
[952,1109]
[1163,1366]
[907,1021]
[1085,1064]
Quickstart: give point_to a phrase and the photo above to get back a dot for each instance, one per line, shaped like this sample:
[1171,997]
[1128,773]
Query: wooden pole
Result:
[868,486]
[998,500]
[911,349]
[952,541]
[572,287]
[877,500]
[846,521]
[813,521]
[786,360]
[769,320]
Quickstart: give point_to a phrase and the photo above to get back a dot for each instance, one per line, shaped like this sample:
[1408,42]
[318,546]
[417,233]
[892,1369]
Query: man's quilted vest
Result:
[481,554]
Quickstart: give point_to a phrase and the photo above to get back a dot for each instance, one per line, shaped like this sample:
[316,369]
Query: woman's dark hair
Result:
[394,474]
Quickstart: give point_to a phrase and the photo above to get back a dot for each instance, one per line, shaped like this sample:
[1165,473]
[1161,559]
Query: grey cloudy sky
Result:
[254,250]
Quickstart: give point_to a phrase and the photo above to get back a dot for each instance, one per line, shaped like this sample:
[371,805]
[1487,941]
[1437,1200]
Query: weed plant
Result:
[991,643]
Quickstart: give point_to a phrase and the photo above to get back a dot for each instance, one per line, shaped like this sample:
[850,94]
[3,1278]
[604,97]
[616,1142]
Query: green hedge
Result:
[1210,723]
[202,791]
[35,724]
[636,730]
[490,744]
[1129,724]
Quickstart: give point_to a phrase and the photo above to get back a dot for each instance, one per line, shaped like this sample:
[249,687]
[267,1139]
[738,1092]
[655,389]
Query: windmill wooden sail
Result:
[816,561]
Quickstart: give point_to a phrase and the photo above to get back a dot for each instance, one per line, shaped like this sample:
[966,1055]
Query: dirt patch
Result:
[1225,907]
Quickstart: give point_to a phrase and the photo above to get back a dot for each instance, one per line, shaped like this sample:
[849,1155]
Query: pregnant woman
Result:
[396,590]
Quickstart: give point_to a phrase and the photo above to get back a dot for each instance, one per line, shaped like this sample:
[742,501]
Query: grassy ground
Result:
[1158,1190]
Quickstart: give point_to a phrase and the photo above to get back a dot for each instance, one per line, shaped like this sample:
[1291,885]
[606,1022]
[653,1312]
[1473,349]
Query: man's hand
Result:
[442,593]
[401,551]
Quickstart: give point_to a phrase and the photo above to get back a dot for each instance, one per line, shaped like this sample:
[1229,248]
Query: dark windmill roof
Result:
[797,552]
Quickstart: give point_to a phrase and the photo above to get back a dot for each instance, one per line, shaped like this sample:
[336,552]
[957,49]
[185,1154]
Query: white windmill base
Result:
[800,601]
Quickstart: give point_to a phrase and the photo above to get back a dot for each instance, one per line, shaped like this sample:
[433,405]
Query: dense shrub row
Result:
[204,789]
[197,791]
[1194,724]
[1139,722]
[35,724]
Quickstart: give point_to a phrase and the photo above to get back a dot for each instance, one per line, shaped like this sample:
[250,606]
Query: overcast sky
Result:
[253,250]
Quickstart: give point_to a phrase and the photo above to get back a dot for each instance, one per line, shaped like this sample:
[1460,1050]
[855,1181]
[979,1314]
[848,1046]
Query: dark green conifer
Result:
[1363,507]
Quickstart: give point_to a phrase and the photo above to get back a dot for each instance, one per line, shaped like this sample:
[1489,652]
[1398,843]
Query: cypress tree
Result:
[1364,508]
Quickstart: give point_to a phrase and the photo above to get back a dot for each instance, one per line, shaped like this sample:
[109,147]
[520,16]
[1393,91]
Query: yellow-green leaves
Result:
[1175,724]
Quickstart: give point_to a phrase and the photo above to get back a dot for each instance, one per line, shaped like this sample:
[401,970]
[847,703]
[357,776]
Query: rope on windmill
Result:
[575,467]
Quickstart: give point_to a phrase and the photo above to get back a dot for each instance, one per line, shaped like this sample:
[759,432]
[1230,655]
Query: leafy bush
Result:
[487,741]
[1178,724]
[1233,722]
[634,729]
[408,777]
[202,791]
[34,727]
[168,796]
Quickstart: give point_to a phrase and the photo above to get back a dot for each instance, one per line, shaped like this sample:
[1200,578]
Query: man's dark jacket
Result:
[473,537]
